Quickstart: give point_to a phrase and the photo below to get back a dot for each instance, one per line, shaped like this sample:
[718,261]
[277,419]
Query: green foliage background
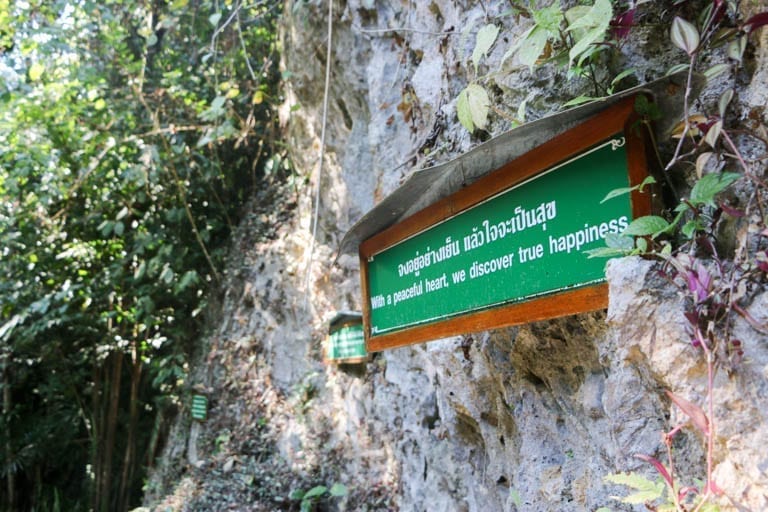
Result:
[131,134]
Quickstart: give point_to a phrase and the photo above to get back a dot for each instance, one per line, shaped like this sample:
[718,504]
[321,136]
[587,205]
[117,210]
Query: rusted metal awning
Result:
[427,186]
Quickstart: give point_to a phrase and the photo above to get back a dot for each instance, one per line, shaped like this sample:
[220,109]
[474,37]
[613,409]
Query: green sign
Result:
[347,343]
[522,243]
[346,340]
[199,407]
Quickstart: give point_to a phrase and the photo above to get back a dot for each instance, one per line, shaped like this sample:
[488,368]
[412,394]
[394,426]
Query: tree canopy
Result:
[131,134]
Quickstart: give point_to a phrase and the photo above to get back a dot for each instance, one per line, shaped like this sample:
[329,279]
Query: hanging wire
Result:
[316,215]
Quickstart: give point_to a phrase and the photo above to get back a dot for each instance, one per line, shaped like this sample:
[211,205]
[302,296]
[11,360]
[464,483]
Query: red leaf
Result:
[659,467]
[730,210]
[685,491]
[622,24]
[693,411]
[756,21]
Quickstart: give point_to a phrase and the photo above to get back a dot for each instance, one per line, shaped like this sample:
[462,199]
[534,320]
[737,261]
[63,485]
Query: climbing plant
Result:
[132,134]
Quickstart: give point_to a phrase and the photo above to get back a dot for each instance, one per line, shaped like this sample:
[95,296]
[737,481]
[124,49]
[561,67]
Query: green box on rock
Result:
[346,340]
[199,407]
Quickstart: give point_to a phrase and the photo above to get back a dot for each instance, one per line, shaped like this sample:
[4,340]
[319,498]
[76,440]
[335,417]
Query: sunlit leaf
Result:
[532,46]
[486,36]
[693,129]
[594,25]
[647,490]
[701,163]
[713,133]
[472,107]
[36,71]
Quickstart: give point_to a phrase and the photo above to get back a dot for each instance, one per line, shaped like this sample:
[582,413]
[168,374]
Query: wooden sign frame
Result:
[620,118]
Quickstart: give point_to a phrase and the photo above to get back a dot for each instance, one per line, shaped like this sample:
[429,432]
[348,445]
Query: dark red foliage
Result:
[622,24]
[733,212]
[756,21]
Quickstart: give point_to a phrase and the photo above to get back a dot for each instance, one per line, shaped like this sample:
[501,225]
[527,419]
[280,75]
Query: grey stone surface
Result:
[536,415]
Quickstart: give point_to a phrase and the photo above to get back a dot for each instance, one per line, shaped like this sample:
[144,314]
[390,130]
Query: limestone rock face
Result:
[526,418]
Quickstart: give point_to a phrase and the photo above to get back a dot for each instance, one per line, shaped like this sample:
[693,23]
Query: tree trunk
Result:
[7,404]
[110,429]
[129,463]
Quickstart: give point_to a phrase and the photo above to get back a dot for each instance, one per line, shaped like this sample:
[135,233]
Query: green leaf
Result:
[647,108]
[705,190]
[650,225]
[521,110]
[106,228]
[716,70]
[338,490]
[684,35]
[549,18]
[578,100]
[463,112]
[472,107]
[713,133]
[36,71]
[677,68]
[167,275]
[690,228]
[605,252]
[618,241]
[318,490]
[7,328]
[724,100]
[532,46]
[647,489]
[189,278]
[589,29]
[621,76]
[736,48]
[486,36]
[626,190]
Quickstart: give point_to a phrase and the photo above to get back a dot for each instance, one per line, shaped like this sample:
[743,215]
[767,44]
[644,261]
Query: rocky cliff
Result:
[524,418]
